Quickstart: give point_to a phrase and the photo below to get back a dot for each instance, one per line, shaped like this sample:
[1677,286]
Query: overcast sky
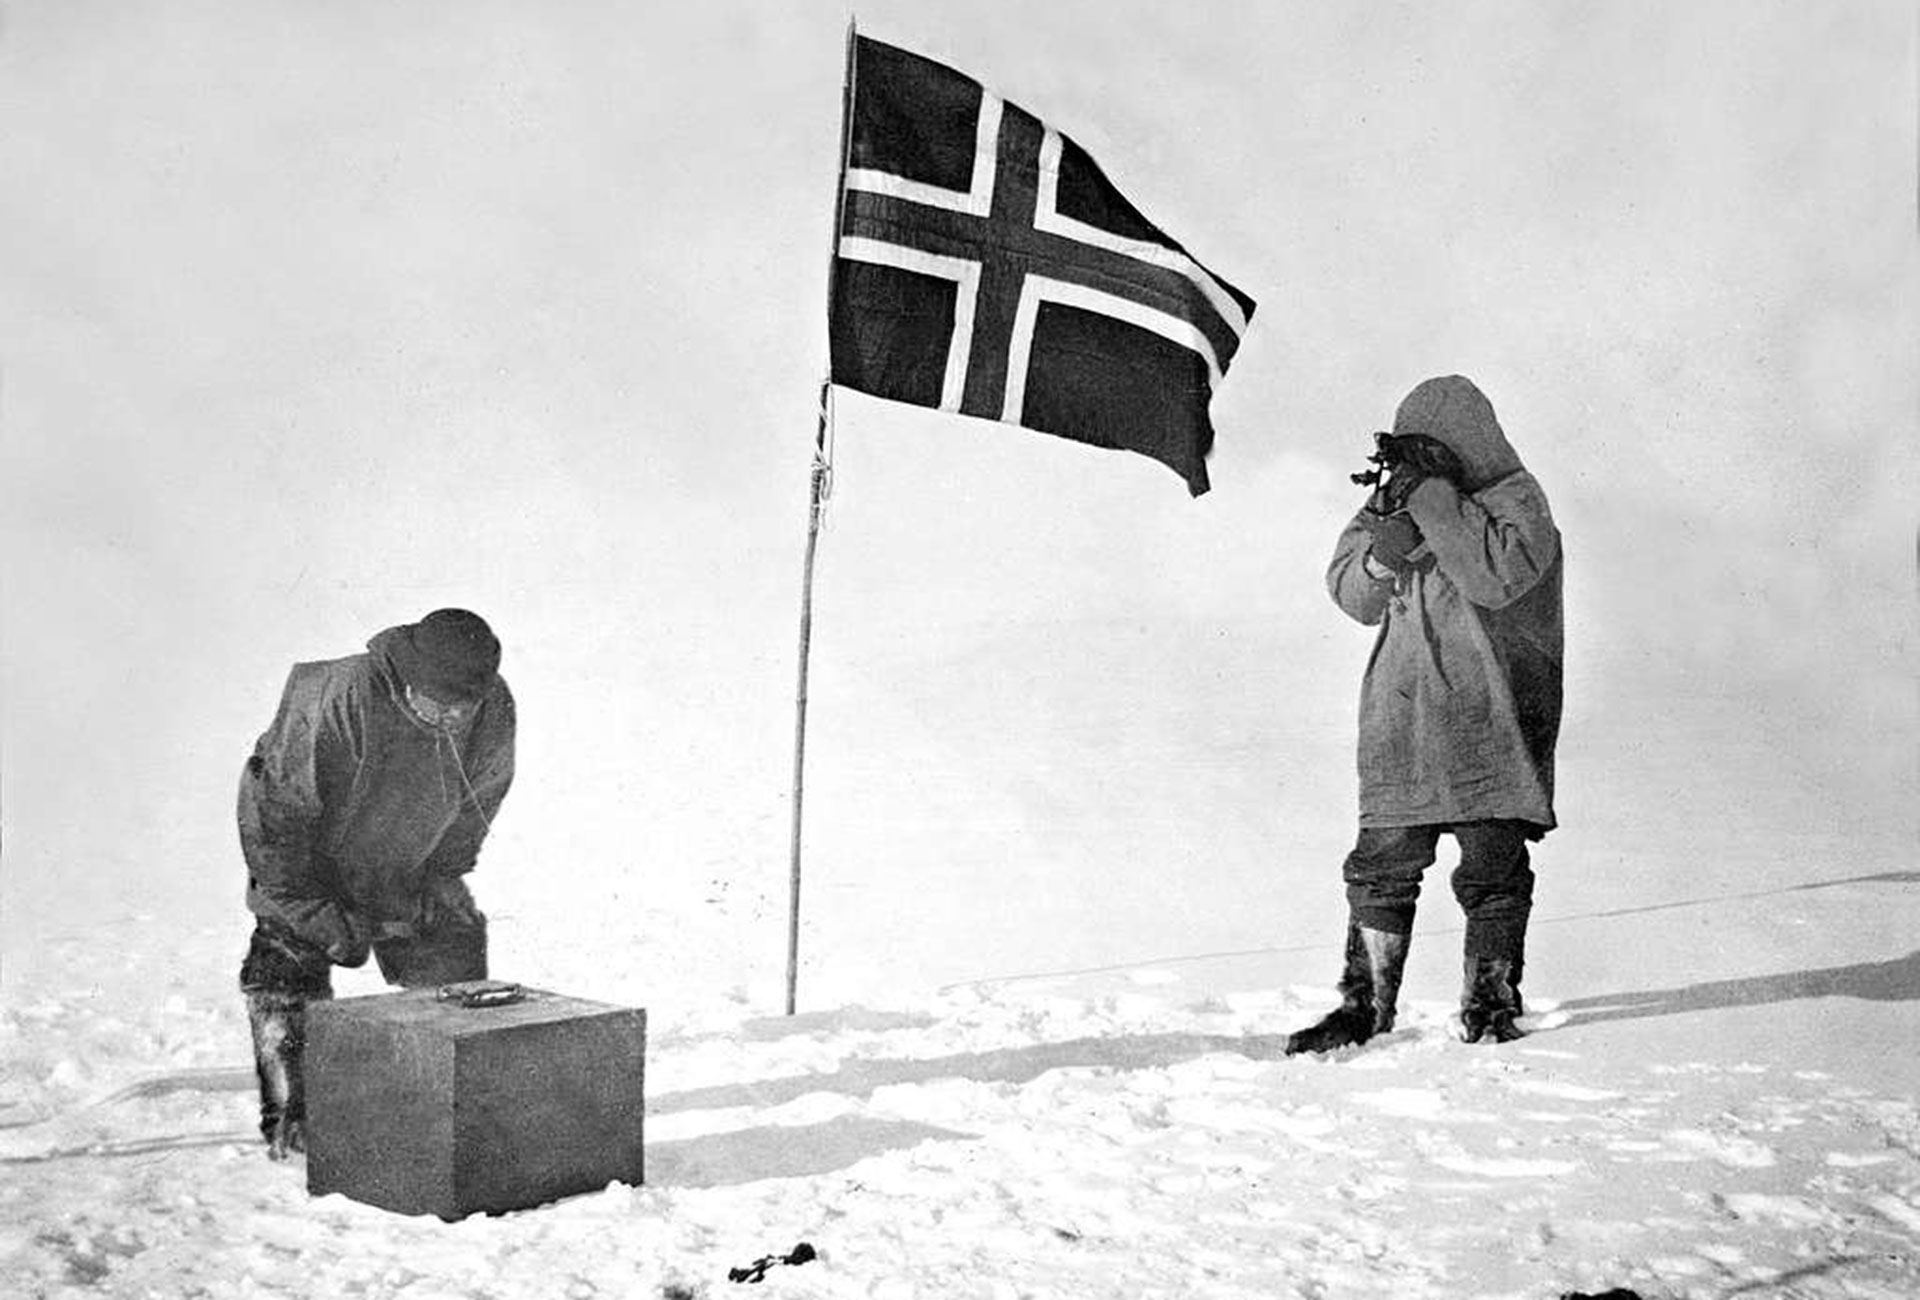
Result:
[318,316]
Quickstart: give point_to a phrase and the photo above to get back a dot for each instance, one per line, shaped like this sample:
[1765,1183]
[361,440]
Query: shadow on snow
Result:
[782,1151]
[1882,981]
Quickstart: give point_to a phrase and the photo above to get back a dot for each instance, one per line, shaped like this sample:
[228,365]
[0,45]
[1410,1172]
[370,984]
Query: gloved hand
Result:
[308,926]
[1395,538]
[351,942]
[446,902]
[325,925]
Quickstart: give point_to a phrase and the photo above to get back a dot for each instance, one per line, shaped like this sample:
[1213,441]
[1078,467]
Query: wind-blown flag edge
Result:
[986,266]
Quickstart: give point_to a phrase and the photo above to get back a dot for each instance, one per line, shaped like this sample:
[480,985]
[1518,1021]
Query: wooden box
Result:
[424,1106]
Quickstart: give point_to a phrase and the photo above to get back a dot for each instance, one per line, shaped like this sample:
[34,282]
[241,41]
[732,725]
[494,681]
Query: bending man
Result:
[361,810]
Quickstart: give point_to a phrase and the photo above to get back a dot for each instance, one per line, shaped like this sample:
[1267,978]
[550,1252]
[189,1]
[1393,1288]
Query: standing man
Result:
[361,810]
[1456,559]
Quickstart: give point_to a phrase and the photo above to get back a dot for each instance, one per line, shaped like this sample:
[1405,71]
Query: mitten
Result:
[351,942]
[1395,538]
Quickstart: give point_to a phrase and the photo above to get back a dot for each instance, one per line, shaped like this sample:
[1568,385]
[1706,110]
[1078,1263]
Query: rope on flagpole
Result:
[823,450]
[820,481]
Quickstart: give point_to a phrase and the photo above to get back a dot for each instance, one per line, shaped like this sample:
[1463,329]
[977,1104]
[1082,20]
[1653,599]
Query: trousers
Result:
[1493,882]
[281,962]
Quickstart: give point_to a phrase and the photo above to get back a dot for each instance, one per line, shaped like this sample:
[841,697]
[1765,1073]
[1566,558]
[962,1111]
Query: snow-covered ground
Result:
[1701,1120]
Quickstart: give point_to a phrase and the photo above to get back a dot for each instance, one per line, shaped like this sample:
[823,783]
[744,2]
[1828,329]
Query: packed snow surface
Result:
[1126,1132]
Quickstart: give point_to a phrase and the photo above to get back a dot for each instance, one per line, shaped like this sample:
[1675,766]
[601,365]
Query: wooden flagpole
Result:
[820,486]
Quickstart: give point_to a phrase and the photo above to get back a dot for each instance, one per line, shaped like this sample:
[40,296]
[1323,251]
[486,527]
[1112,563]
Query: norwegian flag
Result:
[985,265]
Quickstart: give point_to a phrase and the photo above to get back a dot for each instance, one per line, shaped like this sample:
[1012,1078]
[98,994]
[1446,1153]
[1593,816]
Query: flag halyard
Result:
[986,266]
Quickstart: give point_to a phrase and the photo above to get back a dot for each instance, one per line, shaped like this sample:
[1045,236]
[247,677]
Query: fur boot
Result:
[1369,993]
[279,1024]
[1489,1003]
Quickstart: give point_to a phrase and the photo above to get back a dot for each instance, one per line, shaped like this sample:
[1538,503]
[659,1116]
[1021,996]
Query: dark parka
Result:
[351,803]
[1460,706]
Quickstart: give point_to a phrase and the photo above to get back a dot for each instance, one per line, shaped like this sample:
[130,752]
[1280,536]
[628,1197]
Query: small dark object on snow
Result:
[1611,1293]
[757,1271]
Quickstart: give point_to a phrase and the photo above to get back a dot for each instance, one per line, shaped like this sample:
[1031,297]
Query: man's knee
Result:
[1391,851]
[280,962]
[1383,872]
[1495,873]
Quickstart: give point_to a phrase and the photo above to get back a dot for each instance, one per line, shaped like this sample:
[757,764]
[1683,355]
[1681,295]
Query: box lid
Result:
[425,1009]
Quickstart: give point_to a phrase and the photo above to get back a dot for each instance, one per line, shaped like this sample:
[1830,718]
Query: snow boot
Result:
[1369,993]
[279,1024]
[1489,1004]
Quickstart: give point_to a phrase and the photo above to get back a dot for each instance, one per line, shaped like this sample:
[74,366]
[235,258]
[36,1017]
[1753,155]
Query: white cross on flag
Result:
[986,266]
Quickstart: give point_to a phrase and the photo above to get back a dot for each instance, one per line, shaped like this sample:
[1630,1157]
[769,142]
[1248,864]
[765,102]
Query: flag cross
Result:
[1010,251]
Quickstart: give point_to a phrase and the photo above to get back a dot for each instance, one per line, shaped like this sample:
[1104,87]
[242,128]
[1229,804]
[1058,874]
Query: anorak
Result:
[350,803]
[1460,705]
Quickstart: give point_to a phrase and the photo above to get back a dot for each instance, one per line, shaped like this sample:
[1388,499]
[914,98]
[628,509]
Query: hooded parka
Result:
[1460,705]
[351,804]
